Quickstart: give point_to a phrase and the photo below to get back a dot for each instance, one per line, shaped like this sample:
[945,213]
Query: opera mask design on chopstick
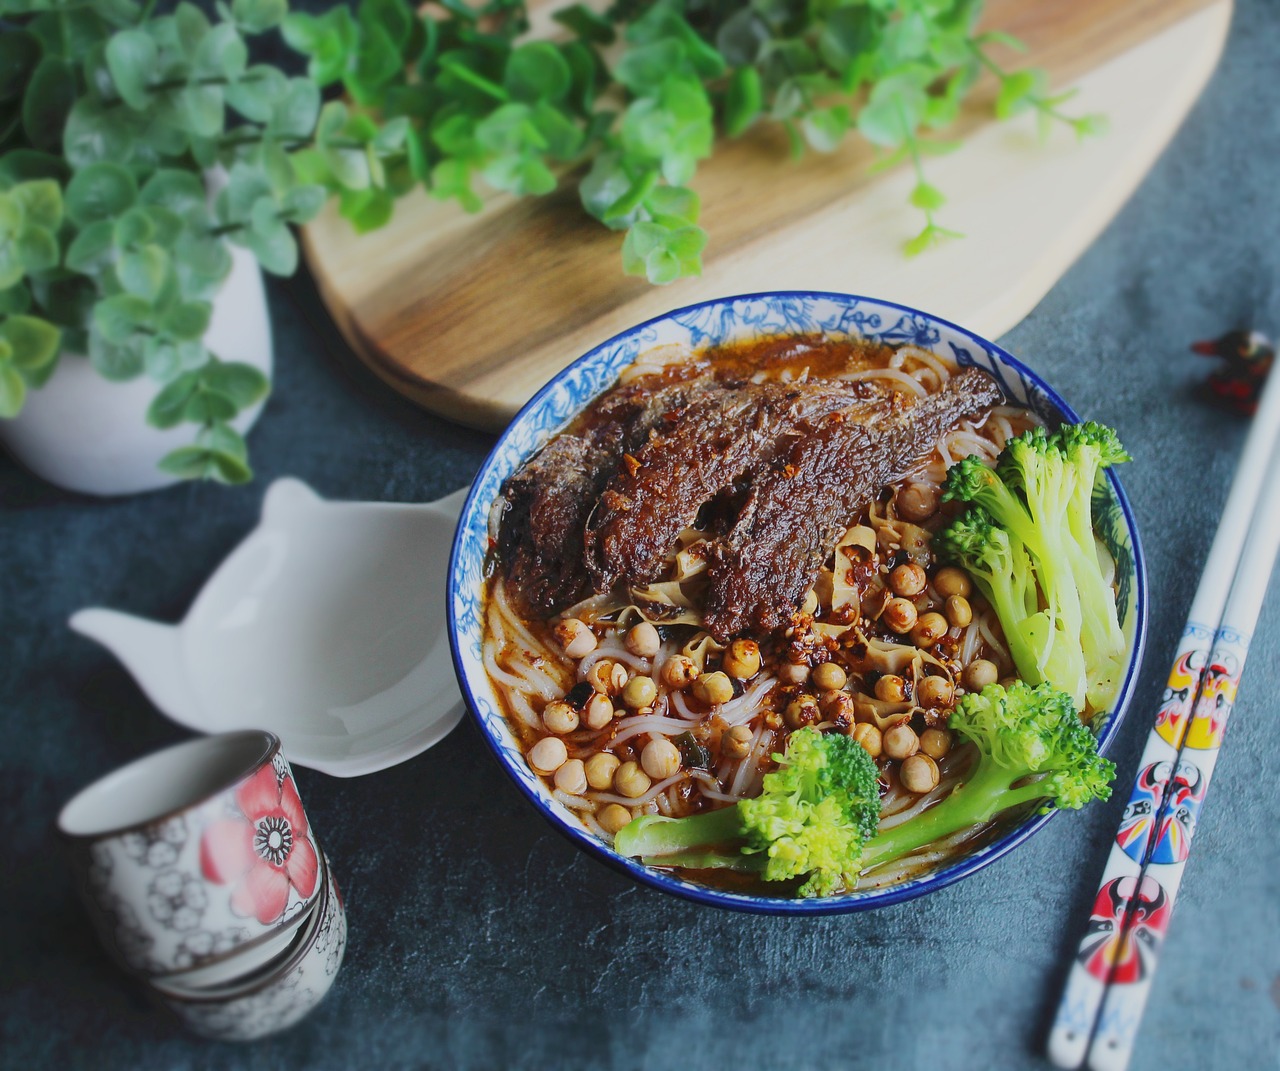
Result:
[1125,958]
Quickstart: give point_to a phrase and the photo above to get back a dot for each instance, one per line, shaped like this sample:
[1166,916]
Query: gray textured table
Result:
[479,938]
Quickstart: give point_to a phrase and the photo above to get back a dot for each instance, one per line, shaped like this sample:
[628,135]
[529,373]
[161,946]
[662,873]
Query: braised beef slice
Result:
[548,501]
[720,435]
[795,514]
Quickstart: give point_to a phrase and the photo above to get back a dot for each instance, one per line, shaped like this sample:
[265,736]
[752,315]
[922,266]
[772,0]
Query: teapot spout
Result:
[150,651]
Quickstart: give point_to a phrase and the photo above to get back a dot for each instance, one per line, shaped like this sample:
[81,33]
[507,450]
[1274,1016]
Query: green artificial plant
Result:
[112,117]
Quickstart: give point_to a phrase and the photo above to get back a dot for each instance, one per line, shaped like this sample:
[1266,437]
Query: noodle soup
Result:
[641,687]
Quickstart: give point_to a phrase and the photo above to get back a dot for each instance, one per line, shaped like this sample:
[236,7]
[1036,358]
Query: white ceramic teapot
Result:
[326,625]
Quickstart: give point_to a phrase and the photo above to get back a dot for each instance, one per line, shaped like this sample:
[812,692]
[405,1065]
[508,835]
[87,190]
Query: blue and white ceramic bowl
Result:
[730,320]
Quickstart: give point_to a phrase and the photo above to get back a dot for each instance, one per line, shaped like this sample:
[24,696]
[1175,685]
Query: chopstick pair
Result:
[1110,979]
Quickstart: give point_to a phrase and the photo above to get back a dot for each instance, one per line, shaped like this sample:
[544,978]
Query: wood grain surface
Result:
[468,315]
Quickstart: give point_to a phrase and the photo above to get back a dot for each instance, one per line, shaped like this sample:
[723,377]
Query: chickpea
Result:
[907,579]
[575,637]
[919,774]
[572,778]
[613,818]
[934,692]
[660,758]
[917,502]
[679,672]
[810,604]
[643,640]
[742,659]
[959,612]
[952,581]
[802,711]
[891,688]
[979,673]
[736,742]
[600,769]
[607,676]
[929,629]
[868,736]
[714,688]
[548,755]
[935,742]
[598,711]
[630,780]
[900,741]
[837,707]
[829,677]
[792,673]
[559,717]
[899,615]
[639,692]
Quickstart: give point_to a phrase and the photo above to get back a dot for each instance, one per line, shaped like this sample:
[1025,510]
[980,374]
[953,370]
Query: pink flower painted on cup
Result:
[265,853]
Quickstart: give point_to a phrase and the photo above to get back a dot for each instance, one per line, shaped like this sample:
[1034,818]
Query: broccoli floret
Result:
[810,820]
[1020,732]
[1040,494]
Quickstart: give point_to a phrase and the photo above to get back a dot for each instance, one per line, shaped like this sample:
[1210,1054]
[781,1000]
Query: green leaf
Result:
[143,271]
[647,67]
[167,408]
[258,95]
[537,72]
[240,382]
[258,16]
[200,109]
[297,110]
[927,238]
[27,165]
[119,316]
[223,439]
[927,198]
[205,463]
[222,54]
[1090,126]
[180,192]
[187,320]
[366,209]
[37,249]
[100,191]
[116,361]
[191,27]
[202,262]
[19,56]
[587,24]
[95,132]
[744,100]
[275,248]
[48,101]
[13,391]
[131,59]
[394,16]
[133,228]
[15,299]
[1017,92]
[377,62]
[34,341]
[207,405]
[303,203]
[674,202]
[246,185]
[824,128]
[40,201]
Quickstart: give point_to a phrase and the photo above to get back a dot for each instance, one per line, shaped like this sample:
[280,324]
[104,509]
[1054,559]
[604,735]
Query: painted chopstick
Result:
[1100,955]
[1157,888]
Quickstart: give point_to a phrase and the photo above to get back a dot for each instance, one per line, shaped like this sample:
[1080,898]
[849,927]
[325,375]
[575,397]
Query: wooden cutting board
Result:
[469,315]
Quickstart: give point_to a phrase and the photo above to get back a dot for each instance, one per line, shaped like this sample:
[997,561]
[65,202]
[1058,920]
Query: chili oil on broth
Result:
[608,769]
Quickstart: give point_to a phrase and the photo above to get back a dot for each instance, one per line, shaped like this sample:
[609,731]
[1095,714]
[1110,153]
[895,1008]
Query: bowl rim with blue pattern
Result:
[741,318]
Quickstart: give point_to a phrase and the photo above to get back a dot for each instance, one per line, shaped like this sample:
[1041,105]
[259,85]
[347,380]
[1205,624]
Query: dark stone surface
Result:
[479,938]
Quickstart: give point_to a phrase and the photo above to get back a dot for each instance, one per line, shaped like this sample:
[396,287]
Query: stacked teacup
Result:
[204,879]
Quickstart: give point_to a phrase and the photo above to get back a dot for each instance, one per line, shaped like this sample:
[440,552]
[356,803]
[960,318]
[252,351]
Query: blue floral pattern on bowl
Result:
[730,320]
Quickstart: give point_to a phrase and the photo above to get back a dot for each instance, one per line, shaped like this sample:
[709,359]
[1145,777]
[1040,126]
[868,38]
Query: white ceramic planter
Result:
[85,433]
